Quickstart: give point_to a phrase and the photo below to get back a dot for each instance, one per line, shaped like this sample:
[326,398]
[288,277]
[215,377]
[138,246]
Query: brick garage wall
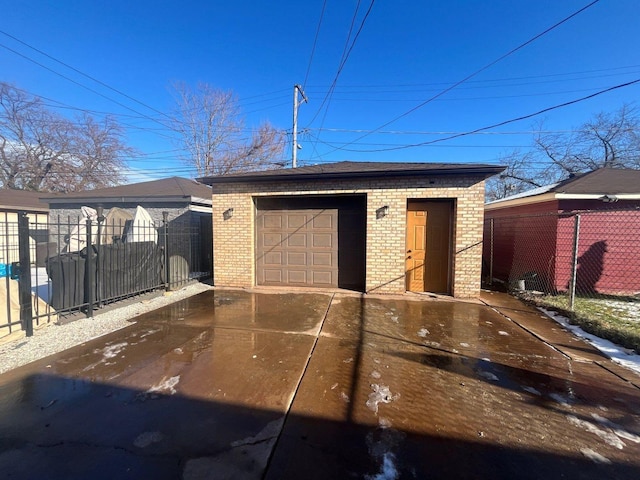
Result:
[234,237]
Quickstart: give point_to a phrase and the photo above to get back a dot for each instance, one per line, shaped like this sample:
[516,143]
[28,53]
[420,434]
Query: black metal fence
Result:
[78,265]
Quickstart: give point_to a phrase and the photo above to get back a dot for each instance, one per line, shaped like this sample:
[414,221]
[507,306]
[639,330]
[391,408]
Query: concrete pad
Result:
[377,401]
[186,392]
[237,384]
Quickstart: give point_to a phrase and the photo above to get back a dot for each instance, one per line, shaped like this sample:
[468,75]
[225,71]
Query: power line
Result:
[477,72]
[84,74]
[315,41]
[495,125]
[345,56]
[79,84]
[490,80]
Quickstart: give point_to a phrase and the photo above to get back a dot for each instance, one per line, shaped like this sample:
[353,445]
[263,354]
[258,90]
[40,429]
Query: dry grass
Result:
[613,318]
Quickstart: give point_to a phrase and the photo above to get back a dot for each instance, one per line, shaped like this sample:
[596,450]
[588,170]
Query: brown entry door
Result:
[427,259]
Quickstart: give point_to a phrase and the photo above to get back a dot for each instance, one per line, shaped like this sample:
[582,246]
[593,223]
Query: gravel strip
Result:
[56,338]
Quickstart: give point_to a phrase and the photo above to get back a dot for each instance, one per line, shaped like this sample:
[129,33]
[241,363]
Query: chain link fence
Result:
[582,264]
[587,254]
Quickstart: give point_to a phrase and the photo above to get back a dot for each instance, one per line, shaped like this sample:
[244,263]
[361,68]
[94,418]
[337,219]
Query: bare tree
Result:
[43,151]
[610,140]
[212,132]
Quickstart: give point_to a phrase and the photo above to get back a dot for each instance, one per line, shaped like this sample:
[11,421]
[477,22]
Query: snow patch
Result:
[423,332]
[503,333]
[108,352]
[375,374]
[532,391]
[617,429]
[464,344]
[148,438]
[559,398]
[615,352]
[488,376]
[609,437]
[345,397]
[380,394]
[388,470]
[595,456]
[167,385]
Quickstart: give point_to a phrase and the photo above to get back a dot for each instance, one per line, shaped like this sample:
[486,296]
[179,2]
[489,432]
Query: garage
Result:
[253,247]
[310,241]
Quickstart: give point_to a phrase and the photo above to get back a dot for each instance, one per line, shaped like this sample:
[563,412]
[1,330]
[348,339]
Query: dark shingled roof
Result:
[22,200]
[357,170]
[154,190]
[615,181]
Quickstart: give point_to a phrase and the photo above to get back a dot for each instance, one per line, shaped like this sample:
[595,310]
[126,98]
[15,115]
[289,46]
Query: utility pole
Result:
[294,147]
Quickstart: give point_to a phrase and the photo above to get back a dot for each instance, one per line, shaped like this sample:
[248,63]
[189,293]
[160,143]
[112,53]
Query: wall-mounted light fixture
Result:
[382,212]
[228,213]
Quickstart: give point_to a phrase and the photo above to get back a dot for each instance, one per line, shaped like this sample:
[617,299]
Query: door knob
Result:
[408,251]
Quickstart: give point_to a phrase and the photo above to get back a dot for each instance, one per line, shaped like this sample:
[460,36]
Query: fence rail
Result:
[79,264]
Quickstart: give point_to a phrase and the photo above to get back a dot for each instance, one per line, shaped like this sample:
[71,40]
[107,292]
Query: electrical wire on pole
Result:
[294,148]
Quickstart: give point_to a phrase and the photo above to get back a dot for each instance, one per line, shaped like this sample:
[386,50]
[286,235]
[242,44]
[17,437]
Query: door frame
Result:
[450,232]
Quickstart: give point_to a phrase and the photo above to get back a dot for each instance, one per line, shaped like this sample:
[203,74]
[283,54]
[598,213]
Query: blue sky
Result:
[406,53]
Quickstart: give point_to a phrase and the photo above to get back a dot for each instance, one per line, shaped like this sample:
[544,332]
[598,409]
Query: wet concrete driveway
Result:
[236,384]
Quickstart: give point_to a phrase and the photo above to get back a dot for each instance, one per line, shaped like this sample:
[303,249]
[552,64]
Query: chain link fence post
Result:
[574,262]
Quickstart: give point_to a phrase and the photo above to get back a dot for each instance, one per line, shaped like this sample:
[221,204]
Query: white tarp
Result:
[142,228]
[78,236]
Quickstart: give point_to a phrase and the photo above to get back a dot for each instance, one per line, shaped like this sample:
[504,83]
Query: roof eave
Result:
[126,199]
[546,197]
[483,171]
[22,208]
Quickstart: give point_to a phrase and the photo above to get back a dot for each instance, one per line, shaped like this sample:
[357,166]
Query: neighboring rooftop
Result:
[152,191]
[622,183]
[611,181]
[16,200]
[357,170]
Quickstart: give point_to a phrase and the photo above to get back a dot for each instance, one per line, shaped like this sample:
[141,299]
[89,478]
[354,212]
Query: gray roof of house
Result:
[603,181]
[166,189]
[357,170]
[615,181]
[22,200]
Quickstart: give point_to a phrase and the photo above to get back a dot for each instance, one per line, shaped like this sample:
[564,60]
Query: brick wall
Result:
[234,236]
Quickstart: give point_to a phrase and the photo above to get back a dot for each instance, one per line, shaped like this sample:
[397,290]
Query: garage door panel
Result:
[322,259]
[297,258]
[297,240]
[296,221]
[323,278]
[271,239]
[323,221]
[273,258]
[272,276]
[297,277]
[272,221]
[322,240]
[301,245]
